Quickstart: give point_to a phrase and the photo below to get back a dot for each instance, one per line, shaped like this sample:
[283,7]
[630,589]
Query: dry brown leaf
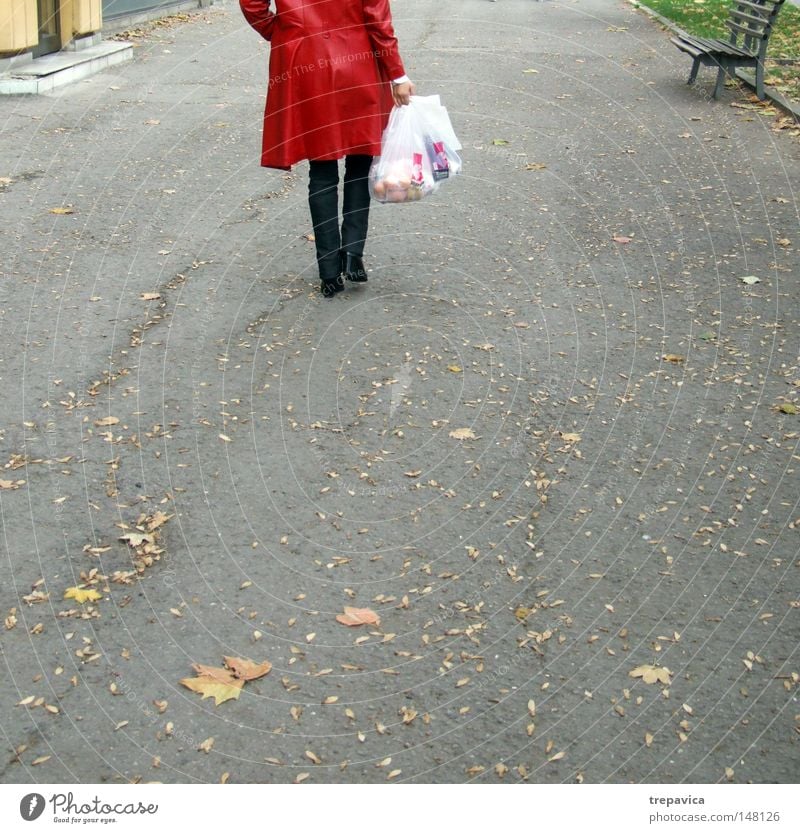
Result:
[557,757]
[355,616]
[570,438]
[109,420]
[220,675]
[136,539]
[246,669]
[206,746]
[463,434]
[621,238]
[150,296]
[62,210]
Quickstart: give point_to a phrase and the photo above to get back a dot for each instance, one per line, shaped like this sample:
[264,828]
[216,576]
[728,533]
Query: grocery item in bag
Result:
[418,152]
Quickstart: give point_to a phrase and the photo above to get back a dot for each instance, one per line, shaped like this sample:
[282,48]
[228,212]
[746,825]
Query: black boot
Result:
[330,287]
[353,268]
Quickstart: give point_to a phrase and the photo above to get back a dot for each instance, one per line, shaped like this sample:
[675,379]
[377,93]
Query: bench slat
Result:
[687,47]
[735,27]
[758,8]
[760,22]
[719,46]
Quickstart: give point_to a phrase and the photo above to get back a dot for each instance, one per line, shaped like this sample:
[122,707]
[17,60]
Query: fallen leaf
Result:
[454,368]
[787,408]
[652,674]
[136,539]
[532,708]
[354,616]
[210,687]
[557,757]
[675,359]
[750,279]
[463,434]
[150,296]
[206,746]
[246,669]
[81,596]
[221,675]
[648,739]
[64,210]
[535,166]
[570,438]
[621,238]
[500,142]
[109,420]
[414,473]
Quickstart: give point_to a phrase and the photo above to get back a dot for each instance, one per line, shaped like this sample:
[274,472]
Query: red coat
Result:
[330,65]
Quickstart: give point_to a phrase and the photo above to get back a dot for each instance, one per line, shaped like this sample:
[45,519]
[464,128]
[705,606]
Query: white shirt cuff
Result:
[402,80]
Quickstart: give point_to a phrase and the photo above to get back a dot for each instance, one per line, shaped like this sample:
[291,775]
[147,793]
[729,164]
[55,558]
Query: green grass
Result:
[706,18]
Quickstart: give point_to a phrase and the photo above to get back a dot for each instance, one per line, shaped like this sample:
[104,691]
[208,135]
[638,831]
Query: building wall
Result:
[19,26]
[87,16]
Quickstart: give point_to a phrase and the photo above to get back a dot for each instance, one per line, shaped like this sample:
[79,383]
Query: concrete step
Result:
[42,75]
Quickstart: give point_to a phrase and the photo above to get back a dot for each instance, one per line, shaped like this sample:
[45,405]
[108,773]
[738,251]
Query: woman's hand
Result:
[401,93]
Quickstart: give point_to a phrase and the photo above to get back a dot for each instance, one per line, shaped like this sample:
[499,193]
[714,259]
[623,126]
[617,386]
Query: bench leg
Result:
[693,73]
[760,80]
[721,73]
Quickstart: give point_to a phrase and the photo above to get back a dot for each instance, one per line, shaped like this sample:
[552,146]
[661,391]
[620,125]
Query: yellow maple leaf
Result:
[213,687]
[652,674]
[81,595]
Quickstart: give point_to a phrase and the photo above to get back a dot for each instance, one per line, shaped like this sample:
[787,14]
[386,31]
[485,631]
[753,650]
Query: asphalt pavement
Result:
[551,444]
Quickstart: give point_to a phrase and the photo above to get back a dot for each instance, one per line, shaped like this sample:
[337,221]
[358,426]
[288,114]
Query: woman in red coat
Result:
[334,73]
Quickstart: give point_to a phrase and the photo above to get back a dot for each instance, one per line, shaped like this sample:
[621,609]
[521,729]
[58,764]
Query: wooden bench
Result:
[752,20]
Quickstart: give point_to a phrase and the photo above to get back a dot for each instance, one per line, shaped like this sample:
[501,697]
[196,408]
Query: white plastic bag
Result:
[418,152]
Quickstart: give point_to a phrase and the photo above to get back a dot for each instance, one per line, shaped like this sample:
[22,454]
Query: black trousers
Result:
[323,200]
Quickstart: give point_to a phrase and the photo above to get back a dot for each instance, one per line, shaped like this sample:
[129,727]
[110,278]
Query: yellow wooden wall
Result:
[19,26]
[87,16]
